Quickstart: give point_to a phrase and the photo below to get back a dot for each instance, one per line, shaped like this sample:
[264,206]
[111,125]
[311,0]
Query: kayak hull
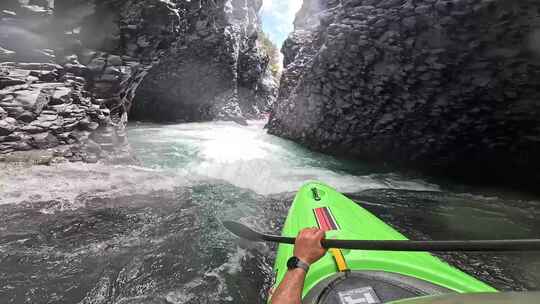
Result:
[319,205]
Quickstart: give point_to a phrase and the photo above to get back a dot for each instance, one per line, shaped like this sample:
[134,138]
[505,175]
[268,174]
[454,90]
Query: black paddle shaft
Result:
[472,245]
[481,245]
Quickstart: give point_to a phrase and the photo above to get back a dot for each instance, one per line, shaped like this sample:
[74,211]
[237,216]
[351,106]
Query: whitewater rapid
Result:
[187,154]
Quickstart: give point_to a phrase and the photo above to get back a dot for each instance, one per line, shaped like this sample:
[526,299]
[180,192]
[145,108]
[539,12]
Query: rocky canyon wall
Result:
[448,86]
[217,69]
[91,59]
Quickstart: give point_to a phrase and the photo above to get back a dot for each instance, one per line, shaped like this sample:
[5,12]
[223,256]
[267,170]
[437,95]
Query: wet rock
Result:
[38,66]
[46,112]
[3,113]
[13,109]
[60,96]
[44,140]
[87,124]
[33,129]
[10,81]
[7,126]
[26,117]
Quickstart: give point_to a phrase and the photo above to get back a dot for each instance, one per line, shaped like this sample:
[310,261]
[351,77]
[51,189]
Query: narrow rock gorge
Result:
[72,71]
[451,87]
[216,69]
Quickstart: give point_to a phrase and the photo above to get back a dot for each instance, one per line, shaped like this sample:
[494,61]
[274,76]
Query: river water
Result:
[152,233]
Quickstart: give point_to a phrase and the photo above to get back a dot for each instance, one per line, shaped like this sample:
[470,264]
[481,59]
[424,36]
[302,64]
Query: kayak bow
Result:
[363,276]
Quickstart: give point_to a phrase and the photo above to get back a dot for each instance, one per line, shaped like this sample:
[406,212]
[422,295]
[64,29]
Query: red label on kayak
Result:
[325,219]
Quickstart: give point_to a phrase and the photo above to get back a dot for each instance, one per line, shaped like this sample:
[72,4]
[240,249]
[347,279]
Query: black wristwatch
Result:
[295,262]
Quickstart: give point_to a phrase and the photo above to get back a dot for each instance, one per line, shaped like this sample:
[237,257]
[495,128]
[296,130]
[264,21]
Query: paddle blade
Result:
[242,231]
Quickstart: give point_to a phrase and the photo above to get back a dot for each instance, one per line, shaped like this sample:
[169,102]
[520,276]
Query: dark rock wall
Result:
[196,60]
[216,70]
[448,86]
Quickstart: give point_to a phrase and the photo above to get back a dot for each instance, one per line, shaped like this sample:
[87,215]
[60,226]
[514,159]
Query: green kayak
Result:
[361,276]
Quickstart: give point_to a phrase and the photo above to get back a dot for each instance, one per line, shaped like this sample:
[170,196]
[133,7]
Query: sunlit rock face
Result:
[215,70]
[196,60]
[446,85]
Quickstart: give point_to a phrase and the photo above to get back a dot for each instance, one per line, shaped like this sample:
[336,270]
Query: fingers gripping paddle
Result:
[482,245]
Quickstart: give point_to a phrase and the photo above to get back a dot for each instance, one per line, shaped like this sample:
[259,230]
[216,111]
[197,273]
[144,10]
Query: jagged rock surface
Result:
[215,70]
[449,86]
[81,44]
[44,106]
[198,60]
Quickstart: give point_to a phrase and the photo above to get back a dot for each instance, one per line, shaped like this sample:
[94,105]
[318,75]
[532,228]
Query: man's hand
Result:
[308,246]
[308,249]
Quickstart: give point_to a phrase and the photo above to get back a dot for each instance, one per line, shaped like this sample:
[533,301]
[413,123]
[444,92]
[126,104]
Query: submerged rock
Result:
[447,86]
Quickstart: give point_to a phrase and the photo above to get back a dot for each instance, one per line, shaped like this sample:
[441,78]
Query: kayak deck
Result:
[318,205]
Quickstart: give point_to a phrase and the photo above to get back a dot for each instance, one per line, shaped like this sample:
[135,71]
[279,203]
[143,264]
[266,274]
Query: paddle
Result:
[482,245]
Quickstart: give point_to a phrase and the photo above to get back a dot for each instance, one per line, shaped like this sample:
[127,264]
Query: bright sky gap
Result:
[278,17]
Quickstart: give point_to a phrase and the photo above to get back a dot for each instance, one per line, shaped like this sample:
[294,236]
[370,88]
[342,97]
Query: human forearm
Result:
[307,250]
[290,289]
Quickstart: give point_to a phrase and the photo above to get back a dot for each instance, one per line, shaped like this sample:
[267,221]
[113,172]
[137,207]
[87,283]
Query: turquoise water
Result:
[249,158]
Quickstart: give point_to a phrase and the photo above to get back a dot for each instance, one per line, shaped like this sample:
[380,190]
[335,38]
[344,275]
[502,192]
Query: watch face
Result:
[292,262]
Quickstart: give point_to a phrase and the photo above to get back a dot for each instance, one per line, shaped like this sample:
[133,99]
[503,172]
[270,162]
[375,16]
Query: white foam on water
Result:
[270,177]
[248,157]
[183,154]
[66,181]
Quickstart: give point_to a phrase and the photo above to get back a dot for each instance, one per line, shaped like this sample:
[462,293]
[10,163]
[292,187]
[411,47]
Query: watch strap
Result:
[303,265]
